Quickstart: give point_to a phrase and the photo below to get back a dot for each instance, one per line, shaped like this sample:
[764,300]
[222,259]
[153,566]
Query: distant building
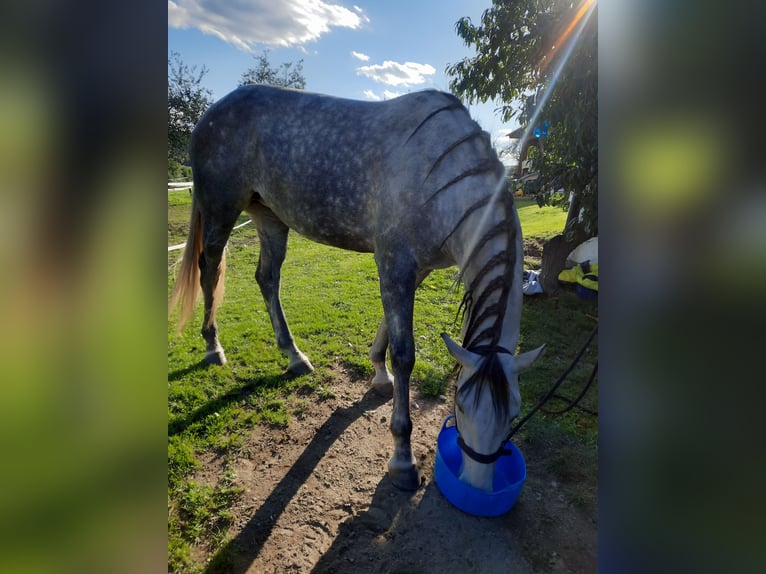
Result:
[521,174]
[522,167]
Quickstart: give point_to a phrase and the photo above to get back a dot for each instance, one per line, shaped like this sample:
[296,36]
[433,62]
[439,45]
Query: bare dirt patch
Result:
[533,248]
[533,253]
[317,499]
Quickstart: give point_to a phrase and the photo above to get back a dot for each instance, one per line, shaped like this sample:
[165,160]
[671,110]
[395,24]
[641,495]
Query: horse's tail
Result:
[187,287]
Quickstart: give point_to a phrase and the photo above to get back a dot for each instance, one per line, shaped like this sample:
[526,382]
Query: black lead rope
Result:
[571,403]
[556,385]
[490,458]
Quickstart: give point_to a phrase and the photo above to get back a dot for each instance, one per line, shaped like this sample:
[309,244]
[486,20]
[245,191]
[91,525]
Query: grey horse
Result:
[413,180]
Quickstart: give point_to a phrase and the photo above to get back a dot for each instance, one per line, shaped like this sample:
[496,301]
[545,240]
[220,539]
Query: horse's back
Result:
[335,170]
[301,136]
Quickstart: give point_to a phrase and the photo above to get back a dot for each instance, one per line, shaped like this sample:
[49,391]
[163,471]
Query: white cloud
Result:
[244,23]
[386,95]
[360,56]
[397,74]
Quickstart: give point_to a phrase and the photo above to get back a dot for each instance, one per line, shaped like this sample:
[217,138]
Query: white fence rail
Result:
[177,185]
[181,245]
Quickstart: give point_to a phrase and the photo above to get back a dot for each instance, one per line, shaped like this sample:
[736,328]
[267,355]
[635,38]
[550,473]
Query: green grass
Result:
[198,514]
[331,298]
[540,222]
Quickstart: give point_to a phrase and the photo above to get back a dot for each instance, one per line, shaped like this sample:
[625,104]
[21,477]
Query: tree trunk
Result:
[555,251]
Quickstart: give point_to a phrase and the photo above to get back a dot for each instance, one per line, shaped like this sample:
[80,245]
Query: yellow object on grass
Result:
[585,273]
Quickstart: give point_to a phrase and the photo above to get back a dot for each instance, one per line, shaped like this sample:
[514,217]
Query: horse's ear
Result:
[461,355]
[525,360]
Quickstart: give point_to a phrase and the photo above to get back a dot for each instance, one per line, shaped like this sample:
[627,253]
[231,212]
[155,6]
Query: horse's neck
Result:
[488,249]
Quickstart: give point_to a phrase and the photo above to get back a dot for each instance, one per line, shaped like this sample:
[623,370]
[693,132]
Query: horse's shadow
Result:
[181,373]
[177,426]
[391,514]
[403,533]
[238,554]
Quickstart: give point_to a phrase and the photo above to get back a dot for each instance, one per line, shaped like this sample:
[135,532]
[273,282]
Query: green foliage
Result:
[187,101]
[518,47]
[287,75]
[178,171]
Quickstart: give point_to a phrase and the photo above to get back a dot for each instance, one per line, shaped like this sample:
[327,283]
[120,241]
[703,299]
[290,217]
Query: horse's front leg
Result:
[397,287]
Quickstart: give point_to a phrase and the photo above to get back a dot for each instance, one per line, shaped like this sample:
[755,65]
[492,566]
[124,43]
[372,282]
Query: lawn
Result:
[540,222]
[332,302]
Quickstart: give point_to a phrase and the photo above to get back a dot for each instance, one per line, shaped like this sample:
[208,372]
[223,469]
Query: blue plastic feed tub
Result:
[510,474]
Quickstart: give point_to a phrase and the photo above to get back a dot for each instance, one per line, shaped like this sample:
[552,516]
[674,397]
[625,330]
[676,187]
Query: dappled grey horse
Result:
[413,180]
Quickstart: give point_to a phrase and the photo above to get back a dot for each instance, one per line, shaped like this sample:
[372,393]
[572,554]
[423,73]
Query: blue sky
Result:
[355,49]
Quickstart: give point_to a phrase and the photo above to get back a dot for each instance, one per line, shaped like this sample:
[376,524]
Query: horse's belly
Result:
[349,241]
[333,221]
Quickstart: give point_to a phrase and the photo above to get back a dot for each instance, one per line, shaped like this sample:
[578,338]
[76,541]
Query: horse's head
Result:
[487,400]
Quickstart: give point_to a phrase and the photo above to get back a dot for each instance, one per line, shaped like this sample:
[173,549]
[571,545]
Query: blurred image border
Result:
[682,276]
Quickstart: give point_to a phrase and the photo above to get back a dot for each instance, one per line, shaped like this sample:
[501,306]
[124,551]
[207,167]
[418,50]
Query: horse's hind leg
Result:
[273,237]
[383,381]
[212,268]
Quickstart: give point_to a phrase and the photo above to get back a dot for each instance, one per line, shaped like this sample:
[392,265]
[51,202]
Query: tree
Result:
[285,76]
[187,101]
[519,47]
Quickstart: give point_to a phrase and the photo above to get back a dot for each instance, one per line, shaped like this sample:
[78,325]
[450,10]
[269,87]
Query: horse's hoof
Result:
[299,368]
[404,478]
[215,357]
[384,389]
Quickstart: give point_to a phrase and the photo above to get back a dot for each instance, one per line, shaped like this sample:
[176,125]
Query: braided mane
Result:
[475,309]
[465,152]
[473,300]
